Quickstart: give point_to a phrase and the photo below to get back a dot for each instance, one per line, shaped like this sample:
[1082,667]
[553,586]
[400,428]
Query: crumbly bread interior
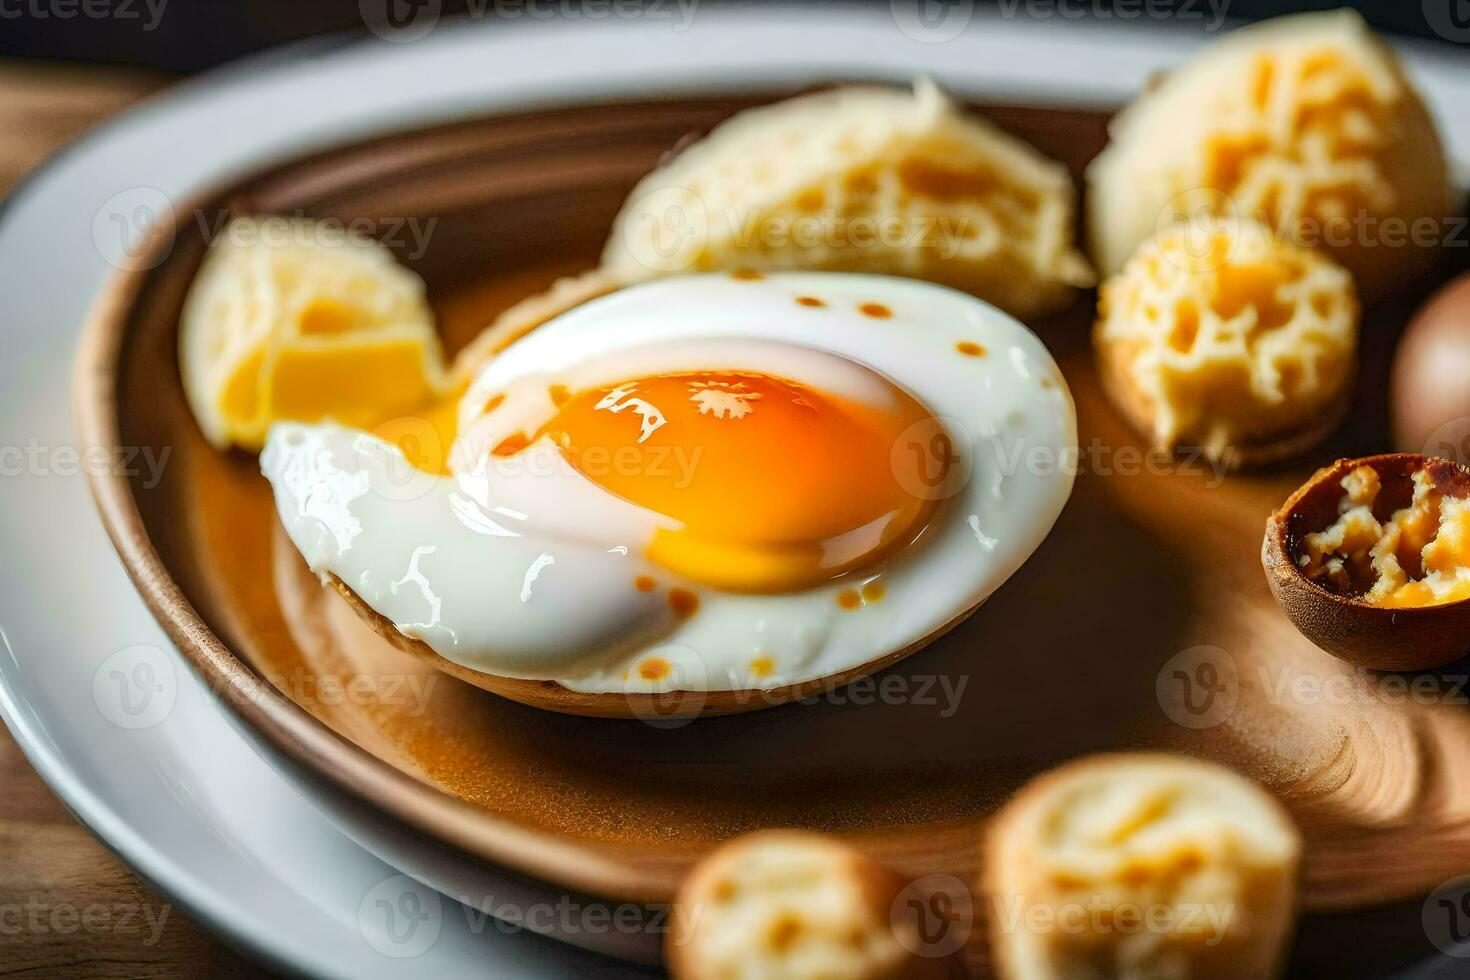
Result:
[1220,336]
[292,319]
[1142,866]
[1417,556]
[861,179]
[1307,123]
[786,906]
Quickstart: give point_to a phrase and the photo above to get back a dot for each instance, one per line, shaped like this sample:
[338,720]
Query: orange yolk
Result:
[425,435]
[775,485]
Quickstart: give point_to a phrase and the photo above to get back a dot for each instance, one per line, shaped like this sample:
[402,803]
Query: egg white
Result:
[525,570]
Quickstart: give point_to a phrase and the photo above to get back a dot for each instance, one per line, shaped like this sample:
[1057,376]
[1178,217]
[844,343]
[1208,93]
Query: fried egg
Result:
[703,483]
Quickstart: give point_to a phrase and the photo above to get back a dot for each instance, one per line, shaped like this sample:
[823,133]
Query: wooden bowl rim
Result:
[1281,554]
[644,875]
[626,872]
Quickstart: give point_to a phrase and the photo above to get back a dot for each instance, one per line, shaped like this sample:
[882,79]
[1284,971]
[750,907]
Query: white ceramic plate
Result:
[107,712]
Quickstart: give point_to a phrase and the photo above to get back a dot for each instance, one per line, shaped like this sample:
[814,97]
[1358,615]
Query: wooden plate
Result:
[1143,621]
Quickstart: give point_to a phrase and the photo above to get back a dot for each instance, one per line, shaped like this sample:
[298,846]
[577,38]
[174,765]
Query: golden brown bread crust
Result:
[877,889]
[516,321]
[1138,411]
[551,696]
[999,850]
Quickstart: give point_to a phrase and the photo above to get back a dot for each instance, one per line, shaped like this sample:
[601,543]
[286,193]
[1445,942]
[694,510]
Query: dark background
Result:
[196,34]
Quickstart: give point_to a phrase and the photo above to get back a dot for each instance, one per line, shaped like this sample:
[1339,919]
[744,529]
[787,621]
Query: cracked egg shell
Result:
[1377,637]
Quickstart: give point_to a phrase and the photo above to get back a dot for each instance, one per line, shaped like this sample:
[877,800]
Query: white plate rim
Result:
[723,50]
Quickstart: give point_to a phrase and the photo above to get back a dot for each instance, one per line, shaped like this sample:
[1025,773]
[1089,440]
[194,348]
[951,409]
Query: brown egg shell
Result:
[1428,393]
[1367,636]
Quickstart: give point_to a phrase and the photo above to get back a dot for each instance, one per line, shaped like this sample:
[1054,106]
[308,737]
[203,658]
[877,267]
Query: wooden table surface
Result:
[67,906]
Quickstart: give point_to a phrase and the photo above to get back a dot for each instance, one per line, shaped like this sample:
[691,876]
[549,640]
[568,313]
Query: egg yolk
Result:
[774,485]
[426,435]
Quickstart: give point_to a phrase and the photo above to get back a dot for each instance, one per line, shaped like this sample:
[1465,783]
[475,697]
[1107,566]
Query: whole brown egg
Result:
[1429,397]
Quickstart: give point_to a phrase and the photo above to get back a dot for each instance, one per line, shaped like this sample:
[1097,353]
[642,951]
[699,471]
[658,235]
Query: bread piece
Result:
[789,905]
[1363,554]
[1224,338]
[290,318]
[861,179]
[1140,865]
[1306,123]
[517,320]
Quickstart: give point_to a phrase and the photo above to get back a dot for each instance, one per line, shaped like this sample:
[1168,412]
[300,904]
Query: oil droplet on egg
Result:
[653,669]
[683,602]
